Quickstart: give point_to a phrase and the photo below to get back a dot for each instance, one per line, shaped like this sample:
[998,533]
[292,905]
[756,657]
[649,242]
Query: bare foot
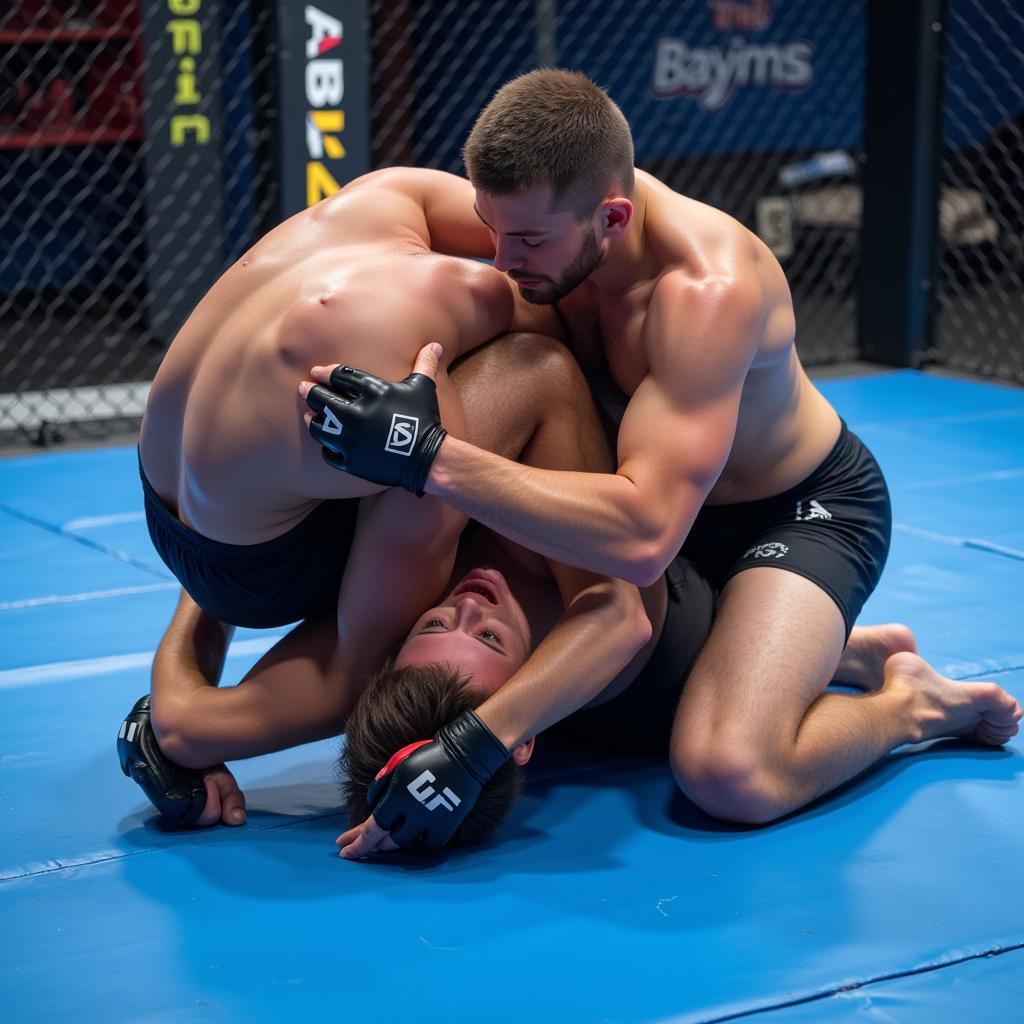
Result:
[983,712]
[869,647]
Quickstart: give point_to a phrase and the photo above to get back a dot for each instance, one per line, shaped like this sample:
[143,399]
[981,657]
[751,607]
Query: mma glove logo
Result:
[332,424]
[386,432]
[421,789]
[403,434]
[446,773]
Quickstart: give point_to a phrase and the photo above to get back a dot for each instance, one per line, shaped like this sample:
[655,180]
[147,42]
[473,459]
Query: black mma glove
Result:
[177,793]
[379,430]
[426,790]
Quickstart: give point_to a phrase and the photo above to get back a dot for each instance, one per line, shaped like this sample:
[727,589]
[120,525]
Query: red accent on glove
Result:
[399,757]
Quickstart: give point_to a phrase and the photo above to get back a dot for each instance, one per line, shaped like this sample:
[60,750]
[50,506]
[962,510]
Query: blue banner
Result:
[711,76]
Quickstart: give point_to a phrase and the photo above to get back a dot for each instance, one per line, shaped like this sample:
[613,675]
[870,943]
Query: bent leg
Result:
[755,736]
[525,398]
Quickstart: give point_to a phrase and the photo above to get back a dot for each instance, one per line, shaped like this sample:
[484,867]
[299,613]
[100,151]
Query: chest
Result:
[606,336]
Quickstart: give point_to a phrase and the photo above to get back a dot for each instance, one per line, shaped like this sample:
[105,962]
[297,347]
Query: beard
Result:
[586,262]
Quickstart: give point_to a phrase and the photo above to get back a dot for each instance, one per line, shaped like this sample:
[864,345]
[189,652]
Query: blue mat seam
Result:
[972,543]
[217,833]
[121,556]
[200,838]
[856,986]
[990,672]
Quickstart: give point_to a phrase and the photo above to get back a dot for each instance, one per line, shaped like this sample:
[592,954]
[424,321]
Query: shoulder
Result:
[726,306]
[416,183]
[477,279]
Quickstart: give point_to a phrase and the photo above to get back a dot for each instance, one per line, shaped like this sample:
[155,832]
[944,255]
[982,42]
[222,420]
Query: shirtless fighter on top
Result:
[683,322]
[261,533]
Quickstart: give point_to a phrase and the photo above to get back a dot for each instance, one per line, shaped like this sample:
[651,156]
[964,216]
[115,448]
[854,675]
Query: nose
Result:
[507,254]
[469,611]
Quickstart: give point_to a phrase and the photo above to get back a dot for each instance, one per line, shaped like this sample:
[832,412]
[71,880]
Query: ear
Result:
[522,754]
[616,214]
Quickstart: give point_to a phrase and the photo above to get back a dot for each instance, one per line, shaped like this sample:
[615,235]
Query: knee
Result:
[727,783]
[544,359]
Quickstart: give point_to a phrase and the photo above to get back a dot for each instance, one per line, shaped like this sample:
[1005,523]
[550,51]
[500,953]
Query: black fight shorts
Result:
[833,528]
[292,577]
[639,720]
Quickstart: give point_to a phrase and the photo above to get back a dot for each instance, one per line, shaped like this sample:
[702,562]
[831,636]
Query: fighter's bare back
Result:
[352,280]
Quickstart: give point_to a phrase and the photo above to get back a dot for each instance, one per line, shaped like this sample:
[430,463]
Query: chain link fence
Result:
[979,317]
[754,106]
[78,336]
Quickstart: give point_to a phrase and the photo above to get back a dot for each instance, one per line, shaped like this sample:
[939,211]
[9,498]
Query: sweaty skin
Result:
[352,279]
[303,688]
[683,323]
[684,327]
[223,443]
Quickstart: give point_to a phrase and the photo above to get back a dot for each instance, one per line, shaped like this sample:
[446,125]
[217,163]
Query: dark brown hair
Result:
[551,127]
[400,706]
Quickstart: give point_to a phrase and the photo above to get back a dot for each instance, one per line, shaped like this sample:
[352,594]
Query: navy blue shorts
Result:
[639,720]
[833,528]
[292,577]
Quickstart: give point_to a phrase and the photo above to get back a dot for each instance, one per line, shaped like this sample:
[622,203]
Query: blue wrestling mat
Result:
[605,898]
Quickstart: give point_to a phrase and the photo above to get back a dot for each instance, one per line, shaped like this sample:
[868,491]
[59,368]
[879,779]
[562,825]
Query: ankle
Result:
[906,709]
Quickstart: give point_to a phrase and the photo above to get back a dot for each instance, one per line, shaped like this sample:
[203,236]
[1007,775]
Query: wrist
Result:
[443,477]
[471,742]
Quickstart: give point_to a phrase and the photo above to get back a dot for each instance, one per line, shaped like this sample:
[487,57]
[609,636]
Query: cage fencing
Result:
[138,159]
[100,217]
[979,311]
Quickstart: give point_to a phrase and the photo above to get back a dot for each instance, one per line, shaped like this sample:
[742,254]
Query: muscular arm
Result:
[673,442]
[604,624]
[603,627]
[304,687]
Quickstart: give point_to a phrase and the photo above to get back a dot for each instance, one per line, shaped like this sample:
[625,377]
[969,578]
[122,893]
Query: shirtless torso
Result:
[784,427]
[352,279]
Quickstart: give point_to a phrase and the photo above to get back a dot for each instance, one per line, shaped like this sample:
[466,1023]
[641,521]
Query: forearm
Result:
[191,653]
[290,696]
[601,631]
[596,521]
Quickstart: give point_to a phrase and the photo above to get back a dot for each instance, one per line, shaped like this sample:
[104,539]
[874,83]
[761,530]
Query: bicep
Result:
[679,427]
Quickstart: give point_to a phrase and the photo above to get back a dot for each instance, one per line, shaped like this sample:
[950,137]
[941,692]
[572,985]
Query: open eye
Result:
[489,634]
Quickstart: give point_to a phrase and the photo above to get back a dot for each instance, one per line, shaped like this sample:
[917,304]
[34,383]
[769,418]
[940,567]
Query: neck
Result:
[627,258]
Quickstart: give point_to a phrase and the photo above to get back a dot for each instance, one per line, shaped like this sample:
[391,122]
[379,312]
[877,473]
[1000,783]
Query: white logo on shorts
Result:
[815,510]
[421,789]
[402,435]
[332,425]
[773,549]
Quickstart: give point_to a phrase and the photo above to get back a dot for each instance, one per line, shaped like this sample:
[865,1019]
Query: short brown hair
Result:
[551,127]
[400,706]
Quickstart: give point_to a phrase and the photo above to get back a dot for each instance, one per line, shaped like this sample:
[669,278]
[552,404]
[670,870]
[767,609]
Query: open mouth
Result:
[477,583]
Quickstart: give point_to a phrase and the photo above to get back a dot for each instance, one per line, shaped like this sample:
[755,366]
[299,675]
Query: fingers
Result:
[322,374]
[364,839]
[232,805]
[224,800]
[427,360]
[211,812]
[317,397]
